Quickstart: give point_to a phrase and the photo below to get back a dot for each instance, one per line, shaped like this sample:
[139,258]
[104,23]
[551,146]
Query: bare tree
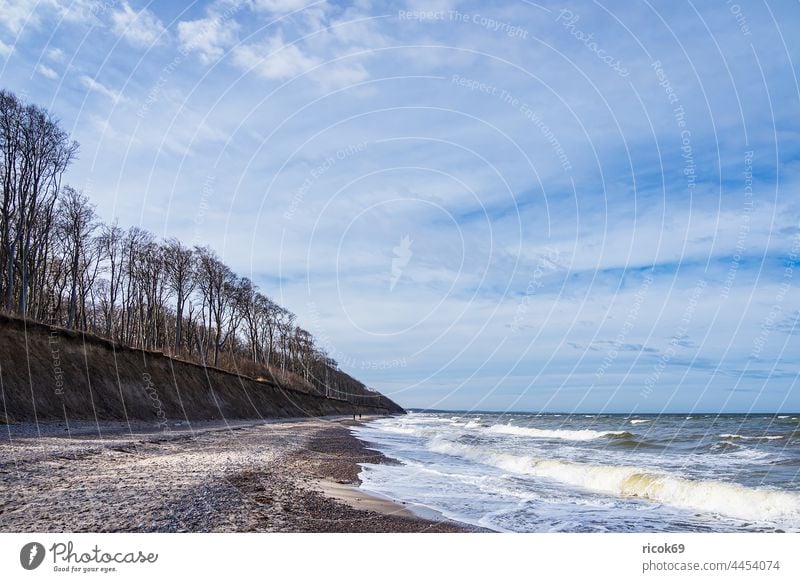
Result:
[285,328]
[252,308]
[76,222]
[11,141]
[130,327]
[47,153]
[214,279]
[111,247]
[179,263]
[36,152]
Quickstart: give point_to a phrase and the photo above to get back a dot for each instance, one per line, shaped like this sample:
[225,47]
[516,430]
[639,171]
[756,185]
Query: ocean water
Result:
[588,473]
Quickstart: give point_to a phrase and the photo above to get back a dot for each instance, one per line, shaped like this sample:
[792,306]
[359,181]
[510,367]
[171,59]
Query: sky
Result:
[516,206]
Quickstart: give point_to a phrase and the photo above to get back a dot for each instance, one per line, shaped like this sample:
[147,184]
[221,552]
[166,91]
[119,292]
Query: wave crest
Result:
[750,438]
[730,499]
[572,435]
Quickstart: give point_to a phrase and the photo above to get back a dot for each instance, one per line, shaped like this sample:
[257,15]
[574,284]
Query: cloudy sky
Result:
[511,206]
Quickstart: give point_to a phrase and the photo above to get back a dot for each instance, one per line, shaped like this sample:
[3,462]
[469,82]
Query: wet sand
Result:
[262,476]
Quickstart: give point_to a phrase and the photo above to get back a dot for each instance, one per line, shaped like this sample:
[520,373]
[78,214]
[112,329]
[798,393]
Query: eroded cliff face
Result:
[50,374]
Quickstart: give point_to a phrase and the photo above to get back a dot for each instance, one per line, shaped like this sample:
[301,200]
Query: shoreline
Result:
[276,475]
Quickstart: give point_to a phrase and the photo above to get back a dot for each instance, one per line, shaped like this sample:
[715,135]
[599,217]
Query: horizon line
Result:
[462,410]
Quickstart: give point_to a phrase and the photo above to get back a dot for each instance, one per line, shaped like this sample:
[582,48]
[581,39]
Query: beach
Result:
[239,476]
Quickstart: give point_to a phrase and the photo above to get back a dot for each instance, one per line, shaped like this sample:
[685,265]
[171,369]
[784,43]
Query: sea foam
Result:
[571,435]
[750,438]
[729,499]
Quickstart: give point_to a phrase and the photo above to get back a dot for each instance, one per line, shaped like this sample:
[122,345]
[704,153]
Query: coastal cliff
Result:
[50,373]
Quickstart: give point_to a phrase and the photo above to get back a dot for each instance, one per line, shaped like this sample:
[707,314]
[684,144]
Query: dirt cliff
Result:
[52,374]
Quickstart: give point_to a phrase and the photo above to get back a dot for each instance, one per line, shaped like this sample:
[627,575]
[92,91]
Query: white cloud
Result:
[348,35]
[106,131]
[431,5]
[46,71]
[17,14]
[335,75]
[77,11]
[97,87]
[141,28]
[273,59]
[208,36]
[5,50]
[56,55]
[281,6]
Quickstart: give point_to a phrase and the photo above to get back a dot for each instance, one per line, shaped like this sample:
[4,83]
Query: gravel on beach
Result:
[212,476]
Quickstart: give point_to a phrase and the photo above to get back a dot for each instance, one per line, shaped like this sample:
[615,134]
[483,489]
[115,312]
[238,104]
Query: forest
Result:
[60,264]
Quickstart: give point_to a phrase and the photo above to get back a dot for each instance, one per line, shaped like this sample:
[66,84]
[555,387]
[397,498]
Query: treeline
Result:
[62,266]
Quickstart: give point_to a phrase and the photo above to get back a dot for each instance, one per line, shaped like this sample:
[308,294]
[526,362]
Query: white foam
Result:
[751,438]
[639,421]
[729,499]
[751,454]
[715,496]
[400,430]
[571,435]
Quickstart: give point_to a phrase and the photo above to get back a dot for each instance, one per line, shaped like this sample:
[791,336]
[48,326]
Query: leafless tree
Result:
[111,247]
[179,264]
[214,280]
[76,223]
[36,152]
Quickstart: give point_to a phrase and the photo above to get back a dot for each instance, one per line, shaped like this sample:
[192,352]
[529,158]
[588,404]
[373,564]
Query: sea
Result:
[592,472]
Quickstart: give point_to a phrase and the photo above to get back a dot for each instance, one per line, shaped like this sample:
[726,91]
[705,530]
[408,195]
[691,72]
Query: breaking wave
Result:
[750,438]
[730,499]
[571,435]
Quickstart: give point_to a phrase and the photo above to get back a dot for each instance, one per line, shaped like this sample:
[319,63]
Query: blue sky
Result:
[514,206]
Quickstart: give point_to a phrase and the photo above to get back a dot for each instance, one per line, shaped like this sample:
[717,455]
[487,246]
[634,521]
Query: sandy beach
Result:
[258,476]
